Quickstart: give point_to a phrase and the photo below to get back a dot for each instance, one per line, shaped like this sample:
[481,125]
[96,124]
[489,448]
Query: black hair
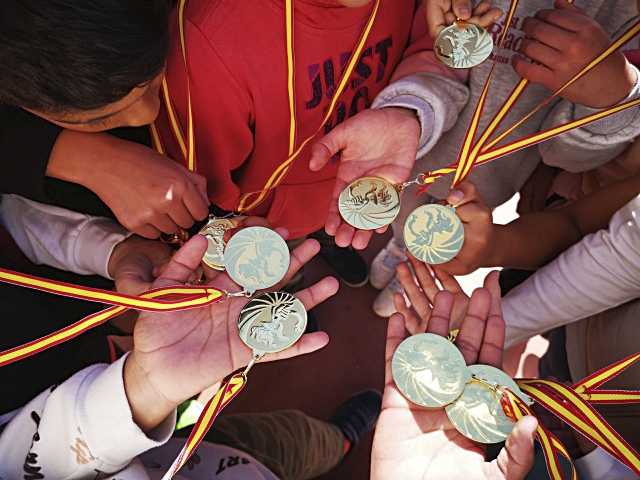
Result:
[77,55]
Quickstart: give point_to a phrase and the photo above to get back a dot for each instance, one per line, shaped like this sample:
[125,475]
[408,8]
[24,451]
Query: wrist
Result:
[496,253]
[148,406]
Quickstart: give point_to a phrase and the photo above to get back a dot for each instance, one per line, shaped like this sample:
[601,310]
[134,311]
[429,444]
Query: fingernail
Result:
[465,12]
[455,196]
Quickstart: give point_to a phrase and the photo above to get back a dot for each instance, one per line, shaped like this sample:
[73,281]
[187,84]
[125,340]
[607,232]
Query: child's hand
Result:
[479,231]
[381,143]
[442,13]
[559,43]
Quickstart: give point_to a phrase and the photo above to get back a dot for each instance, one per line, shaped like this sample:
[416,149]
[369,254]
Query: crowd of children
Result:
[126,122]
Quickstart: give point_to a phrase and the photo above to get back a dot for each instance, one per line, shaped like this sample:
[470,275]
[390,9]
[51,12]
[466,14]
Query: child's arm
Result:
[559,43]
[534,239]
[597,274]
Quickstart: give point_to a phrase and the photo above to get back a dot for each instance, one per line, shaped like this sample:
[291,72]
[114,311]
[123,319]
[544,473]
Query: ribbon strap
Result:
[230,389]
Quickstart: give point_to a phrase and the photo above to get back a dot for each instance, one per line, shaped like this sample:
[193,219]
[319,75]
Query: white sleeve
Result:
[599,465]
[597,274]
[81,429]
[61,238]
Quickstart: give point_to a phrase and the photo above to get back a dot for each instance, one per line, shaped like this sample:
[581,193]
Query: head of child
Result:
[88,65]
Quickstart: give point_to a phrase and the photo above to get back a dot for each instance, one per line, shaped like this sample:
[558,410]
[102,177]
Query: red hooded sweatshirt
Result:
[238,77]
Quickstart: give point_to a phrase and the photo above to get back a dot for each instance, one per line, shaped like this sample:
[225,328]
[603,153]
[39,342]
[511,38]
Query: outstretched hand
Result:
[379,143]
[178,355]
[414,443]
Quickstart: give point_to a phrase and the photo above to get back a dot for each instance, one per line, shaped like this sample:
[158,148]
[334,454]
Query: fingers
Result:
[300,256]
[469,340]
[425,278]
[441,314]
[516,458]
[572,22]
[533,72]
[550,35]
[328,146]
[318,292]
[395,335]
[184,263]
[164,223]
[413,323]
[201,186]
[448,281]
[462,9]
[464,193]
[493,343]
[541,53]
[361,239]
[417,297]
[196,203]
[309,343]
[147,231]
[436,10]
[344,235]
[181,216]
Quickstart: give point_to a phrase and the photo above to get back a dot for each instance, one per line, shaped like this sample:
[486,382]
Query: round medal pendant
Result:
[214,232]
[478,414]
[256,258]
[434,233]
[429,370]
[369,203]
[272,322]
[463,45]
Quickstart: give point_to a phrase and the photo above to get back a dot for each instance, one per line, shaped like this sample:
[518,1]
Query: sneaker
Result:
[347,263]
[358,415]
[383,268]
[383,305]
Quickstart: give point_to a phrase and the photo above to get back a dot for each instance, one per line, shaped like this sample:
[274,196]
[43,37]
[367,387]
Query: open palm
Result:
[380,143]
[415,443]
[186,352]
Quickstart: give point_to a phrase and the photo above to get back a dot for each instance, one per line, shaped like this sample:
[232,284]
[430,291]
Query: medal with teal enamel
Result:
[434,234]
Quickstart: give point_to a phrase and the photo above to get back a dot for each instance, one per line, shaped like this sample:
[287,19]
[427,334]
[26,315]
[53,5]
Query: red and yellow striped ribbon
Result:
[516,409]
[252,199]
[482,151]
[466,157]
[573,405]
[230,389]
[161,300]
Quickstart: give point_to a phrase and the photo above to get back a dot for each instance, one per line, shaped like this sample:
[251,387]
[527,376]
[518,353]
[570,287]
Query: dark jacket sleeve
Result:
[26,142]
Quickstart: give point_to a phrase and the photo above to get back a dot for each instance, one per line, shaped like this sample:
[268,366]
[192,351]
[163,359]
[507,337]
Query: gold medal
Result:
[463,45]
[429,370]
[214,232]
[256,258]
[272,322]
[478,413]
[434,233]
[369,203]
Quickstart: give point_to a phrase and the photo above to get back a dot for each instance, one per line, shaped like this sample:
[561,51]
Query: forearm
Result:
[61,238]
[83,426]
[532,240]
[598,273]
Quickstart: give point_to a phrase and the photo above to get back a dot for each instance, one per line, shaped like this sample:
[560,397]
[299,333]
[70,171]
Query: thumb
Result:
[327,147]
[516,458]
[183,264]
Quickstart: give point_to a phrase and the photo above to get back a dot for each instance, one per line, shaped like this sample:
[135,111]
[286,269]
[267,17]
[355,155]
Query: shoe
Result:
[358,415]
[383,268]
[383,305]
[347,263]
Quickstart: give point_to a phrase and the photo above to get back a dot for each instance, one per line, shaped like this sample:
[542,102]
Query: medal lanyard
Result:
[485,151]
[574,406]
[251,200]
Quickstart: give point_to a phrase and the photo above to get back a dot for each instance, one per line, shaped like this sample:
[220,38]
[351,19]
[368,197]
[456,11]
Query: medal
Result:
[214,232]
[434,233]
[478,413]
[429,370]
[369,203]
[272,322]
[463,45]
[256,258]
